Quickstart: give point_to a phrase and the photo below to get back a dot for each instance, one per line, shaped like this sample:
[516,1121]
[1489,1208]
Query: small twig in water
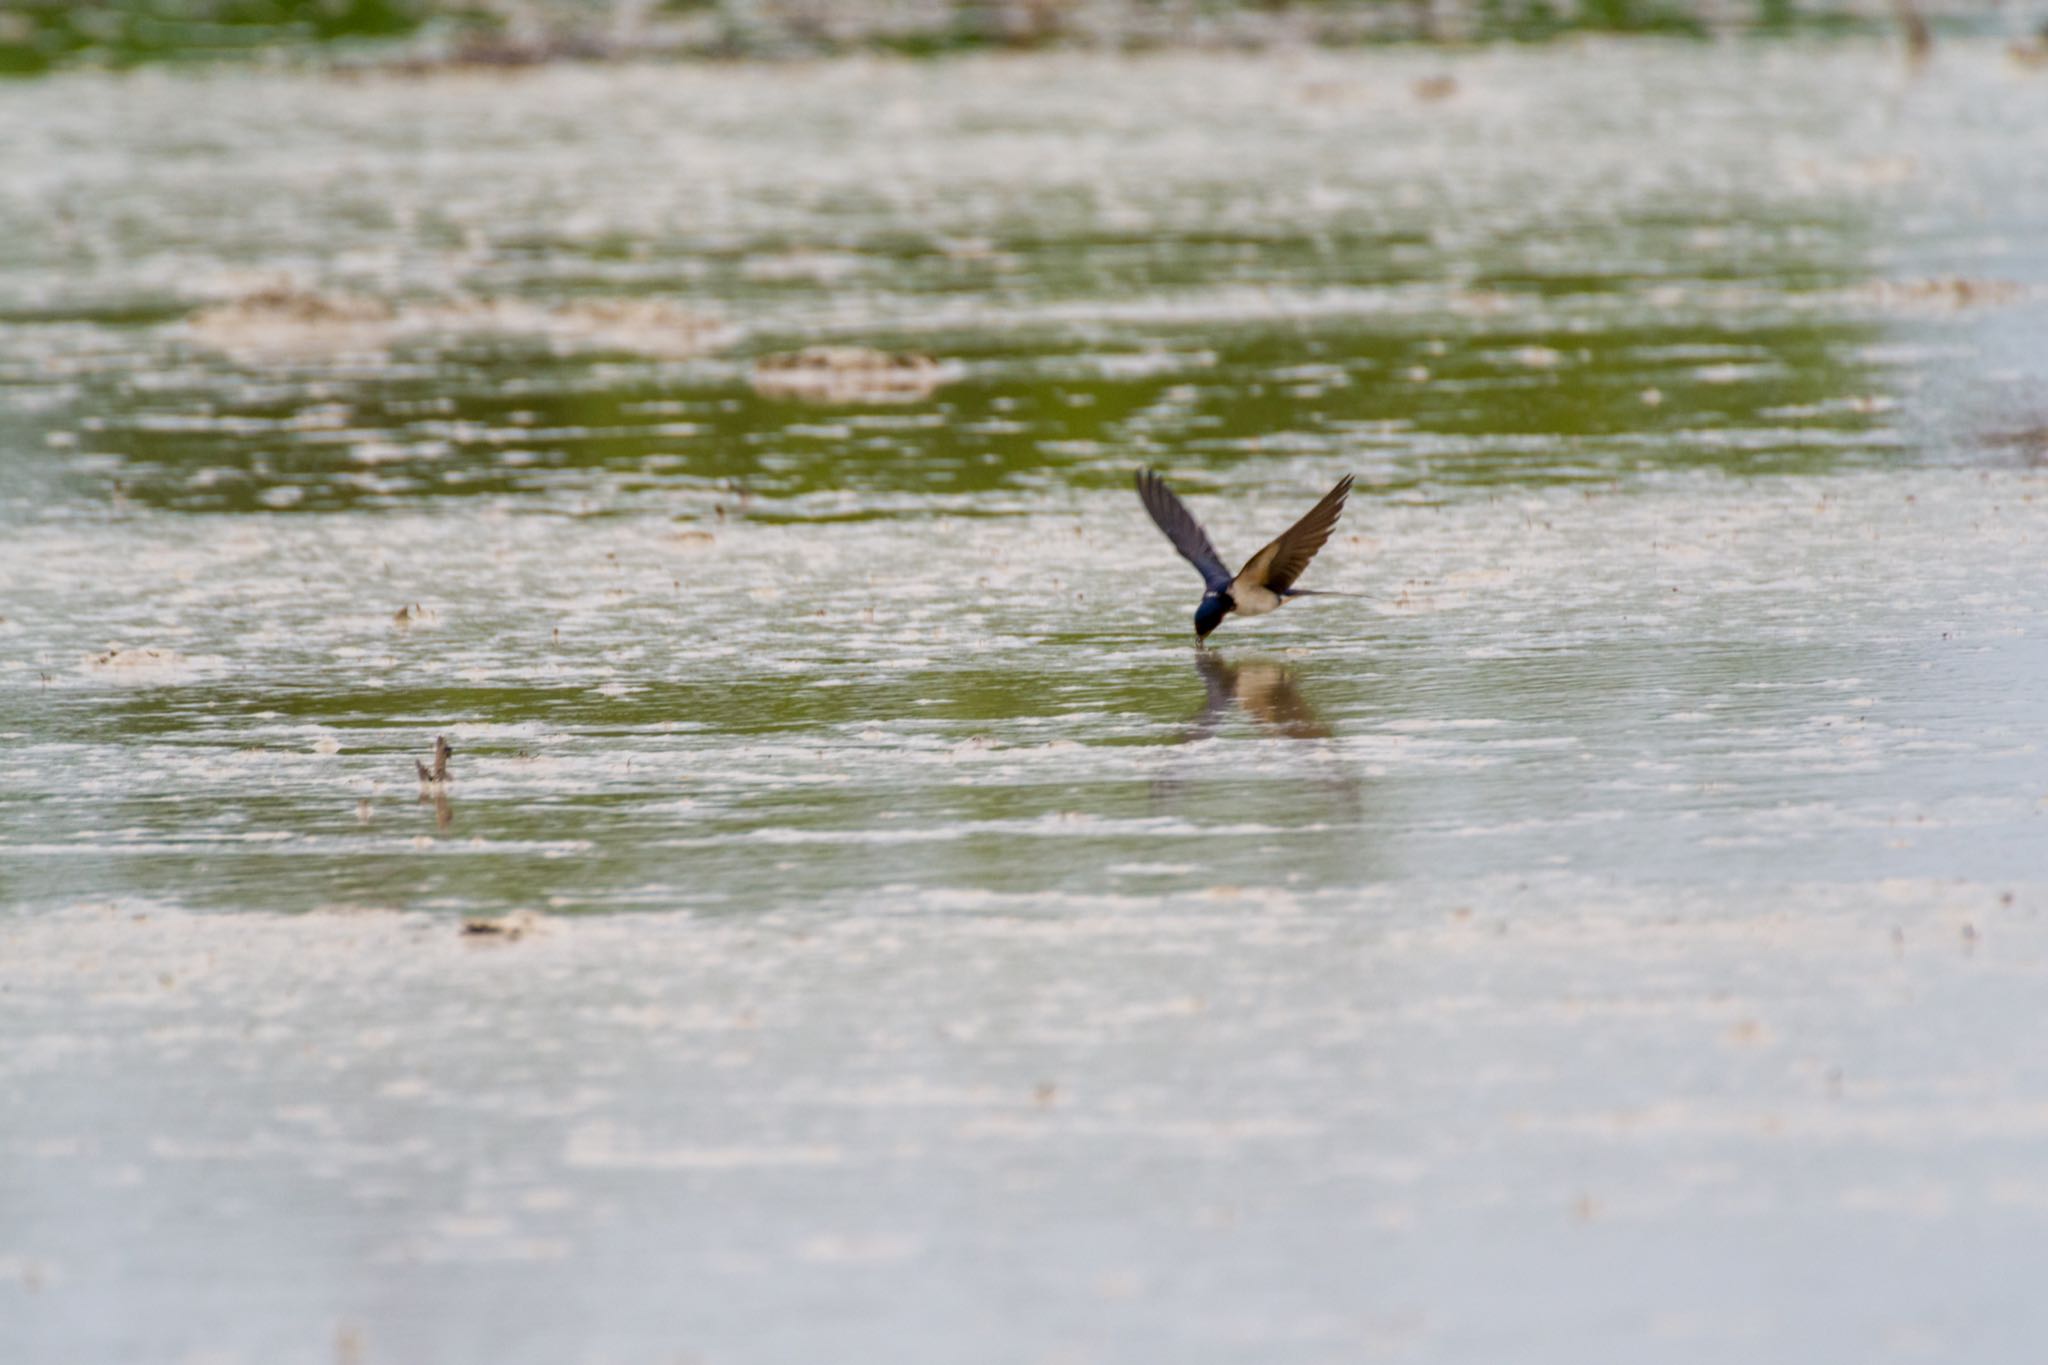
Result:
[436,776]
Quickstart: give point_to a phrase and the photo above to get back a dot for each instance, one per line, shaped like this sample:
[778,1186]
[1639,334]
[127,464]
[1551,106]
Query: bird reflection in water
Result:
[1270,693]
[444,814]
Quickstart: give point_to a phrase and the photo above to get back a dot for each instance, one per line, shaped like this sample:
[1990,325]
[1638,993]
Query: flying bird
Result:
[1267,579]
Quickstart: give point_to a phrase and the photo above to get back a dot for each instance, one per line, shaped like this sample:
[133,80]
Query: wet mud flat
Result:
[853,920]
[1548,1115]
[1591,993]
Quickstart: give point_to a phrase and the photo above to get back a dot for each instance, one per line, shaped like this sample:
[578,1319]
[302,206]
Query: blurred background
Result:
[38,34]
[858,924]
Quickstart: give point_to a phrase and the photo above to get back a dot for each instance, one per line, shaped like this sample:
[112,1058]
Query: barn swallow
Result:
[1267,579]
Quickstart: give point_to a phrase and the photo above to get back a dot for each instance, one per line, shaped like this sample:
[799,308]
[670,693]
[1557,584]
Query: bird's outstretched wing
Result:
[1277,566]
[1184,531]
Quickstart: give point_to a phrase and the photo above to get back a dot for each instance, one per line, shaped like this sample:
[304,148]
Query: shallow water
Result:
[1613,934]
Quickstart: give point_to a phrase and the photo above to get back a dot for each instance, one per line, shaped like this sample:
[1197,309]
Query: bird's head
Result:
[1210,614]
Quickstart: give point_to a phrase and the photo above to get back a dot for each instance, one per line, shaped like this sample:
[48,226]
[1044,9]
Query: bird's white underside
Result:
[1253,599]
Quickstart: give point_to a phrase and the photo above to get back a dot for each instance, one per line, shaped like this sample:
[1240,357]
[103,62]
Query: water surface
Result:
[1613,934]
